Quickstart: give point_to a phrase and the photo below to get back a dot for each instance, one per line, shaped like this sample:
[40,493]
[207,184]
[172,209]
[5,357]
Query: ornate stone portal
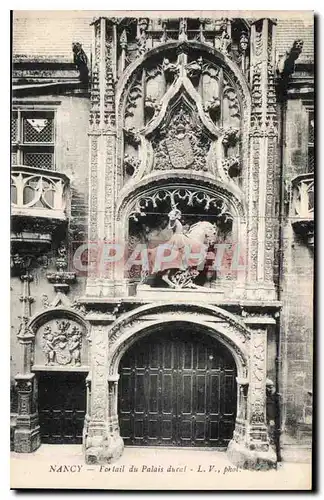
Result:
[179,143]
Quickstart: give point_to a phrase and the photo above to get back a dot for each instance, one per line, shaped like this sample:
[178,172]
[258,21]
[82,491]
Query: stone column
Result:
[253,451]
[103,443]
[27,436]
[263,160]
[241,416]
[113,423]
[88,412]
[102,175]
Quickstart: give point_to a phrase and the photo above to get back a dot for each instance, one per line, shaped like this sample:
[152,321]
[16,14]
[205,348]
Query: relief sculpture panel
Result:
[176,114]
[61,343]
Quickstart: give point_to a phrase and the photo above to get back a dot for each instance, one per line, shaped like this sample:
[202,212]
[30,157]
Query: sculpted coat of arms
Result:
[182,144]
[62,343]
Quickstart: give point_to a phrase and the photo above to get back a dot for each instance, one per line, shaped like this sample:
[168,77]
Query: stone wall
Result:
[297,297]
[71,153]
[51,33]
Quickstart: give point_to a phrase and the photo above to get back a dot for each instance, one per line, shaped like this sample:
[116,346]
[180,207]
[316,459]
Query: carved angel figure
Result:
[244,41]
[48,346]
[75,347]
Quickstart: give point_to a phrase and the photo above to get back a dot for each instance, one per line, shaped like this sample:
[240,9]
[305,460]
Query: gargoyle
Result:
[286,64]
[133,136]
[81,61]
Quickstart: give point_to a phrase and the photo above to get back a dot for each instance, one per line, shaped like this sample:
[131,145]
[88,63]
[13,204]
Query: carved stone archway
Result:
[250,444]
[186,188]
[257,146]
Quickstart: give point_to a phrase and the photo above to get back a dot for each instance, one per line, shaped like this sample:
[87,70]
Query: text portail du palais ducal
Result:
[144,468]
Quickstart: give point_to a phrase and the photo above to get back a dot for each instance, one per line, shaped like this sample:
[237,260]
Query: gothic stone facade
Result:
[115,123]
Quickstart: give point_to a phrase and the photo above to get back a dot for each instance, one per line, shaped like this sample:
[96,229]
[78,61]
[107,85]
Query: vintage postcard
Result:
[162,240]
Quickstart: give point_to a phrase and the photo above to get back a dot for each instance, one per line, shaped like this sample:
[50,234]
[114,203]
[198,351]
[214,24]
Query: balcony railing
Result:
[38,193]
[303,205]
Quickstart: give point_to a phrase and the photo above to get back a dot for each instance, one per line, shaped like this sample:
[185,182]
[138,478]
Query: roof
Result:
[50,34]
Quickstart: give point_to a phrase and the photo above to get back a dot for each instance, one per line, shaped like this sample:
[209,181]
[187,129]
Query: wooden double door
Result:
[61,407]
[177,388]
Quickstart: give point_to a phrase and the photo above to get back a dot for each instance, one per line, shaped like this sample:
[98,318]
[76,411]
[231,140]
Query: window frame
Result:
[22,111]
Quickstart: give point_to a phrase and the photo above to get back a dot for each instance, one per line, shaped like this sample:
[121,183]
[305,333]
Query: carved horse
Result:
[190,251]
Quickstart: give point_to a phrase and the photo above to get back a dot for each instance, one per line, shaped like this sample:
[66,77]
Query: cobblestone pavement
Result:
[57,466]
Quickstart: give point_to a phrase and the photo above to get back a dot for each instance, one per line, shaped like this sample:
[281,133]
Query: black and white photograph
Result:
[162,250]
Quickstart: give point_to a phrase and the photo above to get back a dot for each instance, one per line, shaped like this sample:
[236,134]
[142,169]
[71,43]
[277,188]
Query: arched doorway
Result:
[177,388]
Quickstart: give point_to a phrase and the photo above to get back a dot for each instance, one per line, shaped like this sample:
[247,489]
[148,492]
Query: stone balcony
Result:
[39,203]
[303,206]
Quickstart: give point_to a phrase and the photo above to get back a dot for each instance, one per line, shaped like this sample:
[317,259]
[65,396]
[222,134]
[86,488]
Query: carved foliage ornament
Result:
[131,164]
[99,381]
[134,93]
[189,196]
[258,375]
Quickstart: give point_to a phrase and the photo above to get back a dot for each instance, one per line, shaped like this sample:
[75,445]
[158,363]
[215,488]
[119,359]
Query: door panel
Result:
[61,406]
[177,388]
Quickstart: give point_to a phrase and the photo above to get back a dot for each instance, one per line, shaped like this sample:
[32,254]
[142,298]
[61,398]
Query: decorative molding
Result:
[99,384]
[197,310]
[258,375]
[185,194]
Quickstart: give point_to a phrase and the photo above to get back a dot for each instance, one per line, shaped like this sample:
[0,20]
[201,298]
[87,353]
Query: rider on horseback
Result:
[186,251]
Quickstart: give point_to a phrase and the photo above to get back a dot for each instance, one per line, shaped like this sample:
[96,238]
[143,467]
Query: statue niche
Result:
[178,231]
